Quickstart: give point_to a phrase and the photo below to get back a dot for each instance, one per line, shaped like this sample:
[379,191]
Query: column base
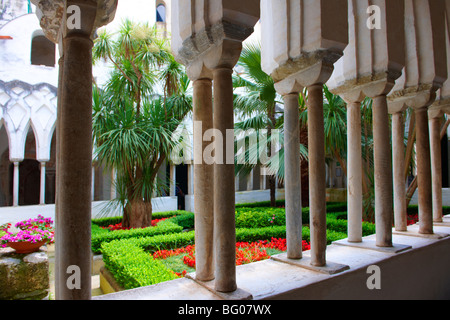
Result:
[305,262]
[371,245]
[413,231]
[444,223]
[238,294]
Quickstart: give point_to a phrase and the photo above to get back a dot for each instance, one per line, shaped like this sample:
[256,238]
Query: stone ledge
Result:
[107,282]
[371,245]
[413,231]
[305,262]
[239,294]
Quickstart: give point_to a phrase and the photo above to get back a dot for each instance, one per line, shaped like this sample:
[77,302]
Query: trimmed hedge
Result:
[132,264]
[100,237]
[106,221]
[175,223]
[128,254]
[132,267]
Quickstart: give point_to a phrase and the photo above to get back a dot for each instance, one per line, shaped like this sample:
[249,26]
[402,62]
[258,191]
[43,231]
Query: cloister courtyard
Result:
[224,150]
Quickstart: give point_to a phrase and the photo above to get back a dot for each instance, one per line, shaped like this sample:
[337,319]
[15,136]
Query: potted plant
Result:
[32,234]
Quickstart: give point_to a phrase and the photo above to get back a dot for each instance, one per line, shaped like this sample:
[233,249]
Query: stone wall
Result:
[23,276]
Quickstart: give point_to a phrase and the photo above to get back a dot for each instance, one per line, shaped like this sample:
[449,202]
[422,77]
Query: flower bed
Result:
[260,233]
[245,253]
[118,226]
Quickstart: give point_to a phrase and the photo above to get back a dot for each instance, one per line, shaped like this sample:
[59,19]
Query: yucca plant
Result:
[136,115]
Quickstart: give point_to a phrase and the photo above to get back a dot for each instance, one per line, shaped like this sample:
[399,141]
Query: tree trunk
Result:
[137,214]
[272,187]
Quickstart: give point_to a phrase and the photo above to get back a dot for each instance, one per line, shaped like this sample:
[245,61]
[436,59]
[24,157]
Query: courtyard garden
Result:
[166,250]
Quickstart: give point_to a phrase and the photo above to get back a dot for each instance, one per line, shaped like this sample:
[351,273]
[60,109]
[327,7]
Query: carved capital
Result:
[93,14]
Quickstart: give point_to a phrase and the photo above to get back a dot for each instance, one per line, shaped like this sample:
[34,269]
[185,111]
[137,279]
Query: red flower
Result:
[245,252]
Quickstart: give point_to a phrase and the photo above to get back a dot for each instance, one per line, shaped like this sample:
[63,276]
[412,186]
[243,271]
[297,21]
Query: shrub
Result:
[185,220]
[106,221]
[99,237]
[132,267]
[247,217]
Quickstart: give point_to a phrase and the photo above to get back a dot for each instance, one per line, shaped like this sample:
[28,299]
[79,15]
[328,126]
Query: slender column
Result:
[58,283]
[250,181]
[424,172]
[74,170]
[262,180]
[383,173]
[203,186]
[436,166]
[113,184]
[93,182]
[317,186]
[224,192]
[354,165]
[42,190]
[190,179]
[16,184]
[293,177]
[173,180]
[398,161]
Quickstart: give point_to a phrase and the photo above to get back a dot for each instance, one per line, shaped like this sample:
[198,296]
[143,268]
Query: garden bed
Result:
[143,257]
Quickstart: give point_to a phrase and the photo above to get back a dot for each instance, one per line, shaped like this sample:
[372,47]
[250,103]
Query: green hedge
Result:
[175,223]
[100,237]
[127,254]
[106,221]
[132,267]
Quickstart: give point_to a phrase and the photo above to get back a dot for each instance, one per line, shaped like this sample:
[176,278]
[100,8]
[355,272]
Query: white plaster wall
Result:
[15,54]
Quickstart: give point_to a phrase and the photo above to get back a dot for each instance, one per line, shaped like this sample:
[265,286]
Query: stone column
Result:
[190,179]
[317,187]
[436,166]
[42,189]
[224,192]
[293,176]
[93,182]
[173,180]
[424,172]
[250,181]
[398,154]
[74,170]
[203,182]
[113,184]
[16,184]
[58,284]
[383,172]
[354,172]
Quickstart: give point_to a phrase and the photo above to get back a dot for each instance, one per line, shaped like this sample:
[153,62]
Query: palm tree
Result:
[255,102]
[260,107]
[134,125]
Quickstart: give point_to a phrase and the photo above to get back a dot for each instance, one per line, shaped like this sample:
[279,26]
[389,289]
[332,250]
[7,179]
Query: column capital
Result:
[201,25]
[53,15]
